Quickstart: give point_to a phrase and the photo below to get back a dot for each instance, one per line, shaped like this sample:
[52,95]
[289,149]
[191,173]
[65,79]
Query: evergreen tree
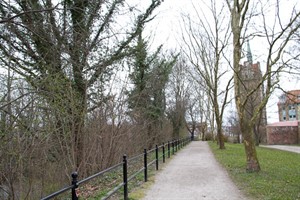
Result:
[150,75]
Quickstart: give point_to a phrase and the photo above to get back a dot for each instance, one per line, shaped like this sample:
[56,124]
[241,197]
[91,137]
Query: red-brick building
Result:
[289,106]
[287,130]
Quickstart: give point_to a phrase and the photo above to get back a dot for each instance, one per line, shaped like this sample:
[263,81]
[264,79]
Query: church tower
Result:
[249,53]
[251,77]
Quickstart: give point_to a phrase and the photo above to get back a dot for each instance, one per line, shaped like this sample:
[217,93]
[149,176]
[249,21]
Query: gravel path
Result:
[295,149]
[193,174]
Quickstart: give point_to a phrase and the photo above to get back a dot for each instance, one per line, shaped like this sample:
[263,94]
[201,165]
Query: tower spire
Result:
[249,54]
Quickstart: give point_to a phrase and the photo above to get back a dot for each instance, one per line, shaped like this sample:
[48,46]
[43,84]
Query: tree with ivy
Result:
[150,74]
[64,49]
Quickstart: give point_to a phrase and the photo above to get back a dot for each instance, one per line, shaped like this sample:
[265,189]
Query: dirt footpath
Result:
[193,174]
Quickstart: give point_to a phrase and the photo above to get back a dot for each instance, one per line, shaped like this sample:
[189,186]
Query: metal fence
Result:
[167,149]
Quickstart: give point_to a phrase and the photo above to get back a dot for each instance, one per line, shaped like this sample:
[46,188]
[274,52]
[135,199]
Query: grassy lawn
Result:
[279,177]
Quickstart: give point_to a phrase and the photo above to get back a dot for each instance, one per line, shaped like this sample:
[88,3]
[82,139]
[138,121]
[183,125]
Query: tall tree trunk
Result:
[249,144]
[79,142]
[220,136]
[238,11]
[79,122]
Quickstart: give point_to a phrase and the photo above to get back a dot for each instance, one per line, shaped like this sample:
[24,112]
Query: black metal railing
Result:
[172,147]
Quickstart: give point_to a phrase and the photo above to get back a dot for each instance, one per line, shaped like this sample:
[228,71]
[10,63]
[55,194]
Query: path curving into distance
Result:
[191,175]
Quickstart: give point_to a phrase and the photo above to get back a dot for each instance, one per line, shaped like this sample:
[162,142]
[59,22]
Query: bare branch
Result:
[11,18]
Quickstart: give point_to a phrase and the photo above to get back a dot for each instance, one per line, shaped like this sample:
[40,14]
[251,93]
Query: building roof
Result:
[285,123]
[290,97]
[255,67]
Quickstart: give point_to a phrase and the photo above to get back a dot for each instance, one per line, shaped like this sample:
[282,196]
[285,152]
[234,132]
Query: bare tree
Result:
[206,41]
[198,110]
[234,126]
[277,37]
[178,97]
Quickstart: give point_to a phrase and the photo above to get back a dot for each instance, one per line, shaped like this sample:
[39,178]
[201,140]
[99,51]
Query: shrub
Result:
[209,137]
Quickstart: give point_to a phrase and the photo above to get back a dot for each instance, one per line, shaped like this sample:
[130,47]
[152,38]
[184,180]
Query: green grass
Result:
[279,177]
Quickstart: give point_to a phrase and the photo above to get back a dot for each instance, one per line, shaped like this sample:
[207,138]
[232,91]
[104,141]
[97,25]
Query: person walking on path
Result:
[191,175]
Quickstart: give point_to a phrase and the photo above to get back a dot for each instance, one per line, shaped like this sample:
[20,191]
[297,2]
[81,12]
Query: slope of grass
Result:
[279,177]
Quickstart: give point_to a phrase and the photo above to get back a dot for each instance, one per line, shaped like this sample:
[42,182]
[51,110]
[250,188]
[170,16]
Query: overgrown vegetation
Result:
[59,111]
[278,179]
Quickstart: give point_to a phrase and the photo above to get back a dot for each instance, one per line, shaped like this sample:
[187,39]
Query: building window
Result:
[292,117]
[292,113]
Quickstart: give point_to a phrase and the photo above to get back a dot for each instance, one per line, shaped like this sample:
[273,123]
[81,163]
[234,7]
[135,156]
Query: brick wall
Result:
[283,133]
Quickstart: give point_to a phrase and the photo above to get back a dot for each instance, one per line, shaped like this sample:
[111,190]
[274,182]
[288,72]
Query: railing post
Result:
[74,183]
[156,156]
[173,147]
[125,177]
[163,148]
[145,166]
[169,149]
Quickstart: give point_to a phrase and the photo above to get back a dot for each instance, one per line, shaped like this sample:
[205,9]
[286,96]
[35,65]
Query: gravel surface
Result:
[295,149]
[193,174]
